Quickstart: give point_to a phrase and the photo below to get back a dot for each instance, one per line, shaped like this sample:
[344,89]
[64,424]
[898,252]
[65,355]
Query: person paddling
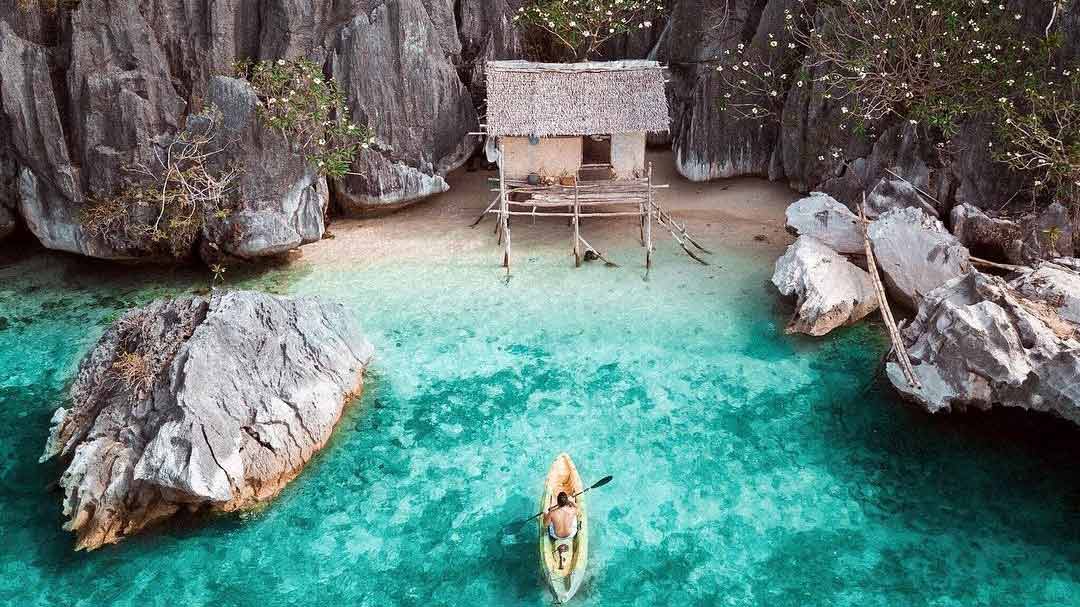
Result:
[561,519]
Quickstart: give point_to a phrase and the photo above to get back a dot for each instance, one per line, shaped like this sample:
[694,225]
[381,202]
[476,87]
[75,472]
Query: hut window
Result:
[534,140]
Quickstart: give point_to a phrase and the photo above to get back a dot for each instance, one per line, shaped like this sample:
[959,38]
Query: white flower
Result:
[322,142]
[281,62]
[821,158]
[773,43]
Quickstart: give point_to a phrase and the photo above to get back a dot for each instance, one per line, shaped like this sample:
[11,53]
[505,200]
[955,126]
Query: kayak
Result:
[564,570]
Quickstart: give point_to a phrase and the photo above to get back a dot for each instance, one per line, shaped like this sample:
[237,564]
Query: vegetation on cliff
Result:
[935,63]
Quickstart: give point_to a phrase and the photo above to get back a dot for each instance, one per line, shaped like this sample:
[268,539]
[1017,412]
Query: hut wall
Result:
[552,156]
[628,154]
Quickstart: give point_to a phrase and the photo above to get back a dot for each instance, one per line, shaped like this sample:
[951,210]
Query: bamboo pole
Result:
[648,224]
[505,209]
[883,303]
[494,202]
[975,261]
[577,228]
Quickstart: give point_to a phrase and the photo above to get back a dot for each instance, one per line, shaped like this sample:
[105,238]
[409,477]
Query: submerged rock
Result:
[201,403]
[821,216]
[916,253]
[831,290]
[977,341]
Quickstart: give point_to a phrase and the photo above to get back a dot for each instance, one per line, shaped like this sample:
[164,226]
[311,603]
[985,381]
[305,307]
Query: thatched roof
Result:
[597,98]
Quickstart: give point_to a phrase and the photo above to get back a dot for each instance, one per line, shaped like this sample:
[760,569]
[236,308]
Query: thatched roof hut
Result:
[567,99]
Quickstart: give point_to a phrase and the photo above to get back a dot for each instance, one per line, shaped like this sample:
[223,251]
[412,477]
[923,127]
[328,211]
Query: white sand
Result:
[720,214]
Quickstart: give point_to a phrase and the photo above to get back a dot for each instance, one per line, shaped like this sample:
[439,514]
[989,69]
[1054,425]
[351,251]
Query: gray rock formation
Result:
[809,146]
[978,342]
[201,403]
[831,291]
[992,237]
[282,200]
[1047,234]
[1057,283]
[916,254]
[392,67]
[821,216]
[80,102]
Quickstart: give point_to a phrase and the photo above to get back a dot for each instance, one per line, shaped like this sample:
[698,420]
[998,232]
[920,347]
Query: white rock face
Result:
[978,342]
[831,290]
[916,254]
[201,403]
[823,217]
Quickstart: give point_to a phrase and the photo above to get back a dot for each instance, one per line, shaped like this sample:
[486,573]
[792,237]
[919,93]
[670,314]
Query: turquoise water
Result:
[751,468]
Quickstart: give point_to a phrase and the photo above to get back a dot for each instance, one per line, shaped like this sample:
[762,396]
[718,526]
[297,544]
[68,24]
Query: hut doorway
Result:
[596,149]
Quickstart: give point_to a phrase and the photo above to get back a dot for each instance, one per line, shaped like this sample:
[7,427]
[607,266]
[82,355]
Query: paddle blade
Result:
[602,482]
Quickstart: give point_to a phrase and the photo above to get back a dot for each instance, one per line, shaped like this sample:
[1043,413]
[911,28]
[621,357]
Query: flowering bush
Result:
[296,100]
[935,63]
[581,27]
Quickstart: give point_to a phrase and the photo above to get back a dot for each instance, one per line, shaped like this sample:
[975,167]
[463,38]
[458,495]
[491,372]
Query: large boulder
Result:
[994,238]
[831,291]
[1055,283]
[821,216]
[977,341]
[1047,234]
[916,253]
[201,403]
[391,65]
[282,199]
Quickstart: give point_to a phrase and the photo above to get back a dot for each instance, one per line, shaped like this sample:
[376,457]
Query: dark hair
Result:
[563,499]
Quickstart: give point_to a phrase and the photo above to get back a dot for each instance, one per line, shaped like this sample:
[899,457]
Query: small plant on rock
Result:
[308,109]
[169,199]
[581,27]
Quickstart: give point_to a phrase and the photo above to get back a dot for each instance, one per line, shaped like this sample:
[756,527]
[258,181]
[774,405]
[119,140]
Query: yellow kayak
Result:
[564,570]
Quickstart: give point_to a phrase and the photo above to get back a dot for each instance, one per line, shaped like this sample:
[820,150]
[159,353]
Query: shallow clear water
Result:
[751,468]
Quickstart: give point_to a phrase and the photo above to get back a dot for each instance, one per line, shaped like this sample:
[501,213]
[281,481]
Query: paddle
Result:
[600,483]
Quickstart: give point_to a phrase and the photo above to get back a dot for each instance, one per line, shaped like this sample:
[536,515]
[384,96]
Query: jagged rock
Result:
[891,194]
[821,216]
[201,403]
[831,291]
[708,142]
[977,342]
[487,32]
[9,198]
[1047,234]
[394,86]
[993,237]
[916,253]
[282,200]
[1056,284]
[115,82]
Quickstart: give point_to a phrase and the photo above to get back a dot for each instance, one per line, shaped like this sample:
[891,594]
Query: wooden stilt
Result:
[483,213]
[883,303]
[577,227]
[648,223]
[504,205]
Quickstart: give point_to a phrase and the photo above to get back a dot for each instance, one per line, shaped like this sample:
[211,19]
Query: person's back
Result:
[562,520]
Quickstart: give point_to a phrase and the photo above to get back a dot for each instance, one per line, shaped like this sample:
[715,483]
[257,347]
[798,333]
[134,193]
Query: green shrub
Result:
[298,101]
[579,28]
[934,63]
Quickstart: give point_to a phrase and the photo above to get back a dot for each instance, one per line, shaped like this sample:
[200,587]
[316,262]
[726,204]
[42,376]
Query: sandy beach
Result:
[721,214]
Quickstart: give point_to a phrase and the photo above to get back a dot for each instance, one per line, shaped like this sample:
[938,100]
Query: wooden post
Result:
[648,223]
[504,206]
[577,224]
